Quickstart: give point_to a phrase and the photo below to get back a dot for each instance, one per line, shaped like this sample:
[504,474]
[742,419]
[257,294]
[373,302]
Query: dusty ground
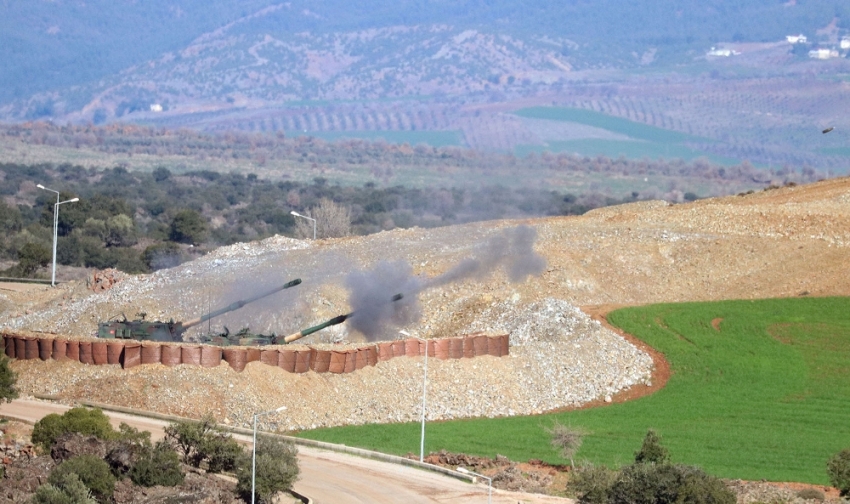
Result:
[791,241]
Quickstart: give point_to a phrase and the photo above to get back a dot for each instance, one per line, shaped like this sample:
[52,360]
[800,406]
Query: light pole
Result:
[254,452]
[489,481]
[305,217]
[56,227]
[424,389]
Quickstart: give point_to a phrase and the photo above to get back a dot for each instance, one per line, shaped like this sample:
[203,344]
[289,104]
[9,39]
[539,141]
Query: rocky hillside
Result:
[526,278]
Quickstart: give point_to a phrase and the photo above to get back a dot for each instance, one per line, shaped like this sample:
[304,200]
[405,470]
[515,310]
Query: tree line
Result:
[139,221]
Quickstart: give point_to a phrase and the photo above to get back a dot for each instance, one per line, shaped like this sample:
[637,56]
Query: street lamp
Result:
[254,451]
[56,227]
[305,217]
[424,389]
[489,481]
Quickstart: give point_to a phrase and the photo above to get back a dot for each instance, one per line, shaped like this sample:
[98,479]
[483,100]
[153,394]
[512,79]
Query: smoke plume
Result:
[370,292]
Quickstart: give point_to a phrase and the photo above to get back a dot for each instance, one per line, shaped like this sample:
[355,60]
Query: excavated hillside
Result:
[537,280]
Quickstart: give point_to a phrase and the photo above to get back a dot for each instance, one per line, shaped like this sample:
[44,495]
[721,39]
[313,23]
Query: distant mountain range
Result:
[402,65]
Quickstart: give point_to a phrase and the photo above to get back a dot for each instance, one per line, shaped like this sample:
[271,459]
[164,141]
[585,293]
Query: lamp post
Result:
[254,452]
[424,389]
[56,227]
[489,481]
[308,218]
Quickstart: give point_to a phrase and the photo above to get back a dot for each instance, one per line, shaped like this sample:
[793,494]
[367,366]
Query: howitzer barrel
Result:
[339,319]
[238,304]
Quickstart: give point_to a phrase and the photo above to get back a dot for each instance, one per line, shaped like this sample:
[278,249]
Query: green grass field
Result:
[763,397]
[648,141]
[638,131]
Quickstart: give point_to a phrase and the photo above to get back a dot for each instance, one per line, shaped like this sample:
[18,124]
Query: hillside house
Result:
[796,39]
[156,107]
[845,42]
[823,53]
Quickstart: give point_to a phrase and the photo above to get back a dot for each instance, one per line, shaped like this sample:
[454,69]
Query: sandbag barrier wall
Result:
[129,354]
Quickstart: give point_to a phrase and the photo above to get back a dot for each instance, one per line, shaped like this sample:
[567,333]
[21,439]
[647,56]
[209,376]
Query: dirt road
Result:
[332,478]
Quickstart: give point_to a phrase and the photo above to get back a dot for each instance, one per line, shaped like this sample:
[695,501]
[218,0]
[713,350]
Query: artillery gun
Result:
[245,338]
[142,330]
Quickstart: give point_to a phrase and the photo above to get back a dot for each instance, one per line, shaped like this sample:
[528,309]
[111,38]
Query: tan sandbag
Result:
[210,356]
[385,350]
[99,352]
[494,346]
[60,349]
[30,348]
[304,360]
[322,361]
[151,353]
[132,355]
[190,354]
[45,348]
[114,351]
[455,348]
[337,363]
[412,347]
[441,348]
[72,351]
[286,360]
[350,361]
[237,358]
[269,356]
[85,352]
[170,355]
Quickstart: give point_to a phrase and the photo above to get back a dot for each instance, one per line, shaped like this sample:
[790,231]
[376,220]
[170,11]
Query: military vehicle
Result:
[144,330]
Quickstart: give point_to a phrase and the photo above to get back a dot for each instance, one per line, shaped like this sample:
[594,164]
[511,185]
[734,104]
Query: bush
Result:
[201,442]
[68,489]
[82,420]
[838,469]
[591,484]
[8,379]
[277,469]
[811,494]
[31,257]
[92,471]
[161,466]
[642,483]
[162,255]
[188,226]
[651,451]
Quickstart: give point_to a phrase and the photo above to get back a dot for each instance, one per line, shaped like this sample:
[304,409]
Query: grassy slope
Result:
[648,141]
[762,398]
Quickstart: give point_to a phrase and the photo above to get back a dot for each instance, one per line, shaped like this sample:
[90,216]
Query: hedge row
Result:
[129,354]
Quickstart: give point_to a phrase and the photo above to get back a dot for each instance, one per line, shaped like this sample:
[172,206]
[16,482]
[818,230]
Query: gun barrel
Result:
[238,304]
[339,319]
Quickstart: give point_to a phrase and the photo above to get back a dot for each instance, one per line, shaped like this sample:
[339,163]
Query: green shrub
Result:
[8,379]
[82,420]
[129,448]
[642,483]
[200,442]
[221,452]
[651,451]
[161,466]
[92,471]
[277,469]
[591,483]
[68,489]
[838,469]
[811,494]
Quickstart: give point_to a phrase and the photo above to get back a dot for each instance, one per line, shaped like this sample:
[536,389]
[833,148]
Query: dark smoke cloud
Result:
[371,292]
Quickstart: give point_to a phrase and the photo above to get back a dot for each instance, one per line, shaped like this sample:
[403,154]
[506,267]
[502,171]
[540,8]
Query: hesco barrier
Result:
[128,354]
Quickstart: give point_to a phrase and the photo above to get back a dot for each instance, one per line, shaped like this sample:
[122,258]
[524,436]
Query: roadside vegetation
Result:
[91,457]
[758,391]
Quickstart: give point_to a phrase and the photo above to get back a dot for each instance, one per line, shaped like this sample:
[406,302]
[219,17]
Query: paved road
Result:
[329,477]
